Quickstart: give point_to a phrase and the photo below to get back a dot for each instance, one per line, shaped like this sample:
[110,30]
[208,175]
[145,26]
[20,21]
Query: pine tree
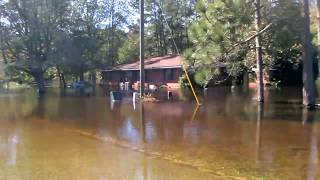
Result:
[217,37]
[260,85]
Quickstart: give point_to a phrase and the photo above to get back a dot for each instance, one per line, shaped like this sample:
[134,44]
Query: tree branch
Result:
[234,46]
[252,37]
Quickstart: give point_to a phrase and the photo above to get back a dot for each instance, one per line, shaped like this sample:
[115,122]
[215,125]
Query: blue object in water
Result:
[115,96]
[81,85]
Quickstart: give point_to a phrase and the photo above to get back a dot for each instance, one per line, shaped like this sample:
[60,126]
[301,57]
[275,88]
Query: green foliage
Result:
[160,14]
[282,45]
[2,71]
[221,24]
[129,51]
[183,81]
[15,75]
[28,40]
[283,42]
[219,39]
[204,75]
[73,38]
[275,84]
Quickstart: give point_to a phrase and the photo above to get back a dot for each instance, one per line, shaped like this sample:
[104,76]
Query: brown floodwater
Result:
[229,137]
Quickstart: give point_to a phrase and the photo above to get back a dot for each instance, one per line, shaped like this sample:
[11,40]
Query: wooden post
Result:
[142,73]
[260,85]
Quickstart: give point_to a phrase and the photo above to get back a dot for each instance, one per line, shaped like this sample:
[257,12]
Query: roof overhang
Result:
[155,68]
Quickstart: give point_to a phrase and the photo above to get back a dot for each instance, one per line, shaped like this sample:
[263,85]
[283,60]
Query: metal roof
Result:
[165,62]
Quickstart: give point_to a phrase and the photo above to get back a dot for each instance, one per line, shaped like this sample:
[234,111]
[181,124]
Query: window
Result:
[135,76]
[168,74]
[147,74]
[129,75]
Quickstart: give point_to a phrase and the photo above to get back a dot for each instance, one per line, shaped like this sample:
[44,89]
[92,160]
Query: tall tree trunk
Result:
[158,25]
[162,33]
[93,77]
[62,81]
[318,23]
[40,83]
[112,35]
[81,76]
[4,57]
[94,81]
[309,89]
[260,86]
[3,53]
[187,37]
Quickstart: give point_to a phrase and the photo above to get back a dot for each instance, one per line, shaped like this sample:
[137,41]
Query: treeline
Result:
[223,35]
[68,39]
[65,39]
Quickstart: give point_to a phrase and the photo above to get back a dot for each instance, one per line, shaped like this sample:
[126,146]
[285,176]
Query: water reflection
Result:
[260,111]
[230,133]
[313,165]
[308,116]
[142,123]
[12,144]
[8,149]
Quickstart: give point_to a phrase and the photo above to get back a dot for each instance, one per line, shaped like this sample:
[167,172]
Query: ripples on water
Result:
[229,135]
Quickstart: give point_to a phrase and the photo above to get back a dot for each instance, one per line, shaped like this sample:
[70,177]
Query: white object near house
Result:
[152,87]
[135,96]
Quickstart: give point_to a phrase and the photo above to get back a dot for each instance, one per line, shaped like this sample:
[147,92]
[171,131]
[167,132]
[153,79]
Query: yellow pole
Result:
[192,88]
[177,49]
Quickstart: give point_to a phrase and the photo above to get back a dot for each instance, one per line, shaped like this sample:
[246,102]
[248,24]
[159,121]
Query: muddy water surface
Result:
[229,137]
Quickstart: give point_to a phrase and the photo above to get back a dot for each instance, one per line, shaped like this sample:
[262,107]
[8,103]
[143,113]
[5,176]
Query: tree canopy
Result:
[42,40]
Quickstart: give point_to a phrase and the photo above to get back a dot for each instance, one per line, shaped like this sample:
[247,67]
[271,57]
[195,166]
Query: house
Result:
[159,71]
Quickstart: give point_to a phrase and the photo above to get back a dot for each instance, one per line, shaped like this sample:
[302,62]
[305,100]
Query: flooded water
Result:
[229,137]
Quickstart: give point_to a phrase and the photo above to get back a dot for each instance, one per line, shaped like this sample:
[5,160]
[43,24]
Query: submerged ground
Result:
[229,137]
